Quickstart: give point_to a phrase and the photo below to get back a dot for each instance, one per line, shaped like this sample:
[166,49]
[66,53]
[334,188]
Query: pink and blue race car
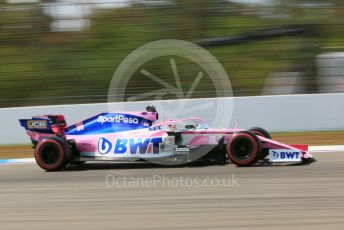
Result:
[138,136]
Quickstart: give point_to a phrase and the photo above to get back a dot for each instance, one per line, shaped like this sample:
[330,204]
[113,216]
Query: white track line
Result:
[326,148]
[17,161]
[24,160]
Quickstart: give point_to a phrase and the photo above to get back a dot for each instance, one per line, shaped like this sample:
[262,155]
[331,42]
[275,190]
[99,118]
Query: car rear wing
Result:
[48,124]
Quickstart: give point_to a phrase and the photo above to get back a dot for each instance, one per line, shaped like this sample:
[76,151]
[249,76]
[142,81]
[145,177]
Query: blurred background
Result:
[66,51]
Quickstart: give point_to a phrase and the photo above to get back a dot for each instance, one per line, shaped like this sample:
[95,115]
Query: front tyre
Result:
[53,153]
[244,148]
[263,133]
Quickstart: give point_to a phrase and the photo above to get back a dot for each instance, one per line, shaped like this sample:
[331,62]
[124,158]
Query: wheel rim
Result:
[242,148]
[50,155]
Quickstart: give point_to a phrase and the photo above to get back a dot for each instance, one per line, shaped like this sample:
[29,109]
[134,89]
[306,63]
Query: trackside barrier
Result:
[285,113]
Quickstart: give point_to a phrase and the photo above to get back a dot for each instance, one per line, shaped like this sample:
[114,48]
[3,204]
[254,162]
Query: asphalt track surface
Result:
[263,197]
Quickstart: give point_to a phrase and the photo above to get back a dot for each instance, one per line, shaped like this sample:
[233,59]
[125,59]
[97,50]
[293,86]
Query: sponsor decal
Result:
[182,151]
[169,143]
[284,155]
[173,127]
[37,124]
[104,146]
[130,145]
[80,126]
[118,118]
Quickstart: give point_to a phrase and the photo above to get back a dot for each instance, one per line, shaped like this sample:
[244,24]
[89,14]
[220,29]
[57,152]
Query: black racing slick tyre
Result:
[260,132]
[263,133]
[53,153]
[244,148]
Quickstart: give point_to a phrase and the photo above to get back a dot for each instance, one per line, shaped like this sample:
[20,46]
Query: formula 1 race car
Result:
[137,136]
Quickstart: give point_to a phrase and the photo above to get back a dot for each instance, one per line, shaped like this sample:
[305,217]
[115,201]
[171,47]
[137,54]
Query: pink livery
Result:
[138,136]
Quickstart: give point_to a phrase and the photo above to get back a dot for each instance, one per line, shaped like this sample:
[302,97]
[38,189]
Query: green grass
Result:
[74,67]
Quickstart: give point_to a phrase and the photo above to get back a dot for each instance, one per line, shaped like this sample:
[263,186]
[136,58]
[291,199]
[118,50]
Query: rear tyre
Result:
[263,133]
[244,148]
[53,153]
